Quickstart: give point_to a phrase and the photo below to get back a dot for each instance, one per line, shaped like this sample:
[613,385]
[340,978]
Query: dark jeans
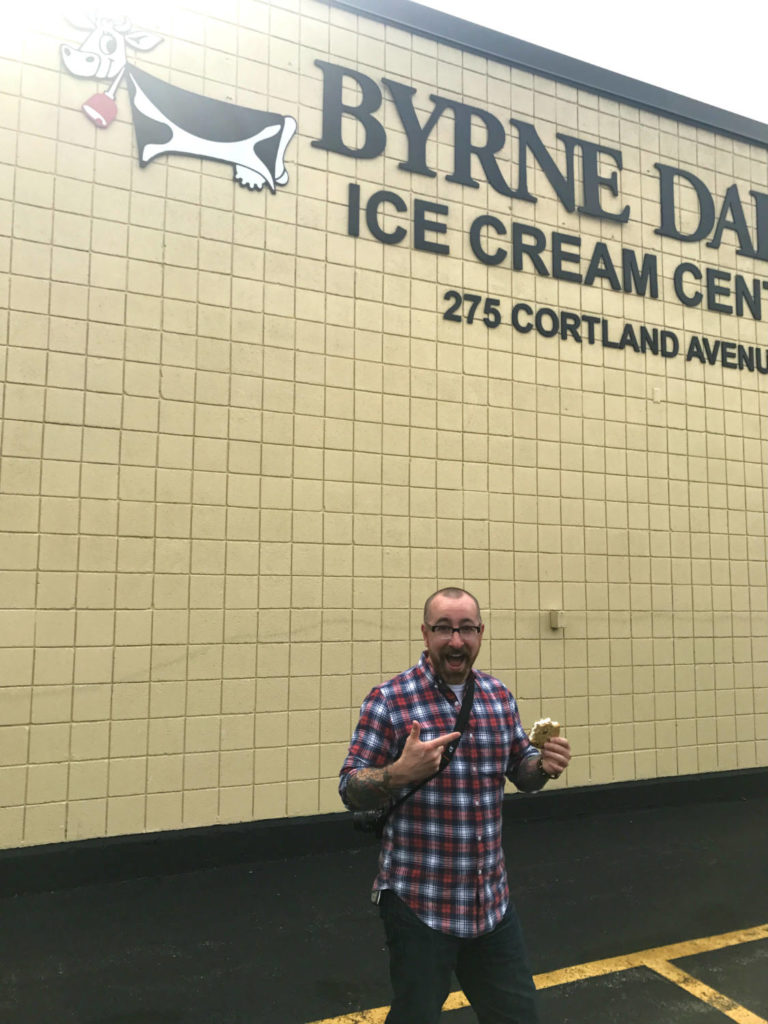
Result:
[492,969]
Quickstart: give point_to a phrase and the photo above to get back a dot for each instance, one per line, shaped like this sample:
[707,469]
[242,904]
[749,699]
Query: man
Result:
[442,887]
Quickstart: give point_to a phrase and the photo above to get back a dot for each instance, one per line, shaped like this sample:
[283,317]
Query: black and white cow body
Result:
[169,119]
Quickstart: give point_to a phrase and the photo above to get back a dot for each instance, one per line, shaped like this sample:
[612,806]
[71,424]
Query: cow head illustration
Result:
[168,119]
[103,54]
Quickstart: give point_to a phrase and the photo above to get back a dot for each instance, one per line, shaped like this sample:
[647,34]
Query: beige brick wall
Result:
[240,447]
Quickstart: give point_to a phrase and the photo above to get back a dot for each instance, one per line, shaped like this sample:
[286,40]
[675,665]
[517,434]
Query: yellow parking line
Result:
[625,963]
[377,1016]
[707,995]
[656,959]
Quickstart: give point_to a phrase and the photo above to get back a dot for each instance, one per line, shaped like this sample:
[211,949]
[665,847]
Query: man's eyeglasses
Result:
[444,631]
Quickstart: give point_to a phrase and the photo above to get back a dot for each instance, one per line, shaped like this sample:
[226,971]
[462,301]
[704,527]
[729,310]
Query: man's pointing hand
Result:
[419,759]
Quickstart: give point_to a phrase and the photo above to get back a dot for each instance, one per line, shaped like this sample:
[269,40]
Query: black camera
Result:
[371,822]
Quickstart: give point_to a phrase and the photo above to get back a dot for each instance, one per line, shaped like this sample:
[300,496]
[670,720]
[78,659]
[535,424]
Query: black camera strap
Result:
[460,725]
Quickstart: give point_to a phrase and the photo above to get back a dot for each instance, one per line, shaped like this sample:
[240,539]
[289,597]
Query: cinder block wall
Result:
[241,446]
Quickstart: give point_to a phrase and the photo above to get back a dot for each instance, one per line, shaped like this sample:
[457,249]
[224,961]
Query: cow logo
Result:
[168,119]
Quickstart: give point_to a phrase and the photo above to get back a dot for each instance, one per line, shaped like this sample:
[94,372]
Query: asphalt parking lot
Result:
[633,916]
[718,979]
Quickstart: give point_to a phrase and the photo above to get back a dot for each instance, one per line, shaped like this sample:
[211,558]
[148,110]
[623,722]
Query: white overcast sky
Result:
[715,52]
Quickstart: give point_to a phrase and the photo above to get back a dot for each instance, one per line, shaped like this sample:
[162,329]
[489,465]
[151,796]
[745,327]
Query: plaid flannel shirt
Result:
[441,850]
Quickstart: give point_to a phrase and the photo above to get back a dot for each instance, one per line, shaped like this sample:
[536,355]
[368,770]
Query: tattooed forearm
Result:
[369,788]
[528,778]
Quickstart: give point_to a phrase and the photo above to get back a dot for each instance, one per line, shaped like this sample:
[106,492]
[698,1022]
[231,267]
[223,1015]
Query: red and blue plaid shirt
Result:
[441,850]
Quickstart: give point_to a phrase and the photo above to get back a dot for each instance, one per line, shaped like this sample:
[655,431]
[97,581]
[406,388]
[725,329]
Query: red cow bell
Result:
[101,109]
